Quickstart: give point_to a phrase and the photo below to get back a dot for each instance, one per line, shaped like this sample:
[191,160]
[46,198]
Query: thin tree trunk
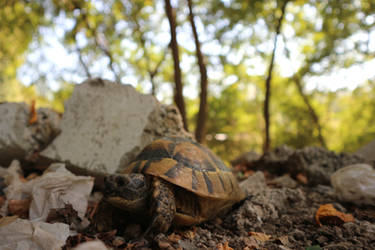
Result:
[84,65]
[312,112]
[200,131]
[267,99]
[314,116]
[178,96]
[108,53]
[102,47]
[153,73]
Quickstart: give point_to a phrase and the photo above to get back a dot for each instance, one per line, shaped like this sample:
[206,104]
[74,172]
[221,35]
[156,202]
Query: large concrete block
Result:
[23,133]
[105,125]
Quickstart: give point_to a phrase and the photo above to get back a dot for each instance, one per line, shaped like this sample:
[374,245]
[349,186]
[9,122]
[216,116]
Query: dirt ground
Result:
[286,188]
[280,212]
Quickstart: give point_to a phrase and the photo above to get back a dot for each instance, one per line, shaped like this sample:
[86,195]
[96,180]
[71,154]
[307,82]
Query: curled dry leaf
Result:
[141,244]
[19,207]
[284,240]
[174,237]
[260,236]
[302,178]
[2,200]
[33,118]
[32,176]
[226,246]
[189,234]
[328,215]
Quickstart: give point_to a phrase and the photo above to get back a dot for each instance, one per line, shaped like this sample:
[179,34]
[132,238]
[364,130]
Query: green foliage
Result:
[353,118]
[19,24]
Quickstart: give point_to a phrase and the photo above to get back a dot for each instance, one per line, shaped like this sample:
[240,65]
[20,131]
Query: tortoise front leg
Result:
[163,206]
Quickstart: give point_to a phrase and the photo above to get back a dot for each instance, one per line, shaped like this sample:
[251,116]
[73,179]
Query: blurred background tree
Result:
[321,91]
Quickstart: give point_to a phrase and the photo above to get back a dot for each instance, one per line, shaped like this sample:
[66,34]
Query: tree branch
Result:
[267,99]
[200,131]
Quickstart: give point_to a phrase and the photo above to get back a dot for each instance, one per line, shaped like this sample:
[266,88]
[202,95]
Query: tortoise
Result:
[177,181]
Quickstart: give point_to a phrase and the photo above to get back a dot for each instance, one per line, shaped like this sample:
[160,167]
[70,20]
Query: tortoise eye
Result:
[120,181]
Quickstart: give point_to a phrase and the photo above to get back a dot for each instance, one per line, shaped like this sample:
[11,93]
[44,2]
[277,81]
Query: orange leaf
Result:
[174,237]
[223,247]
[260,236]
[302,178]
[33,117]
[328,215]
[2,201]
[19,207]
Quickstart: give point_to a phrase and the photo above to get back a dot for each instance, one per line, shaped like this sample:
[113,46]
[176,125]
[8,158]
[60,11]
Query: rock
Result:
[316,163]
[284,181]
[268,204]
[254,183]
[21,137]
[91,245]
[355,183]
[367,151]
[246,158]
[105,125]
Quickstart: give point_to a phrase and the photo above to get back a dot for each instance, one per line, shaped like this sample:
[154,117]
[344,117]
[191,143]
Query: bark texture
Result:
[267,99]
[178,90]
[200,131]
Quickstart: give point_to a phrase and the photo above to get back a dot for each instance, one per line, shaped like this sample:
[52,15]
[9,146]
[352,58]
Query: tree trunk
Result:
[267,99]
[178,96]
[312,112]
[297,80]
[200,131]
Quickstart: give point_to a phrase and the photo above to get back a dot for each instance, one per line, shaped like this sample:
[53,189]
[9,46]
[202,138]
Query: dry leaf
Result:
[19,207]
[260,236]
[284,240]
[327,214]
[302,178]
[7,220]
[188,234]
[33,118]
[174,237]
[223,247]
[2,200]
[32,176]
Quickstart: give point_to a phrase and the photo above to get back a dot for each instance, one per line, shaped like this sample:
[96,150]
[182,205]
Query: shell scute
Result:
[189,165]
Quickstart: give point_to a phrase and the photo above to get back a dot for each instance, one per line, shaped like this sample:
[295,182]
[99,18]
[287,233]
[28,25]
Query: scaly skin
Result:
[163,206]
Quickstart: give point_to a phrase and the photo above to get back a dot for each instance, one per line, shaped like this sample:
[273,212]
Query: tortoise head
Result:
[127,191]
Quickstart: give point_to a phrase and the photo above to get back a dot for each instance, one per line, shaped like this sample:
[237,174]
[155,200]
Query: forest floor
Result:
[280,212]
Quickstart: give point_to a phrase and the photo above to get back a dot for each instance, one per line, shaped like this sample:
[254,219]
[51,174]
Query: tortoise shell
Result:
[189,165]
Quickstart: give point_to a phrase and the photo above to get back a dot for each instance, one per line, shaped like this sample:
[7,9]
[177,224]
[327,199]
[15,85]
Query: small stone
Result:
[254,183]
[20,138]
[355,183]
[284,181]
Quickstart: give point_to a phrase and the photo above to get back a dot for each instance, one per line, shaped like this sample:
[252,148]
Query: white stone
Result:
[105,125]
[18,138]
[21,234]
[355,183]
[91,245]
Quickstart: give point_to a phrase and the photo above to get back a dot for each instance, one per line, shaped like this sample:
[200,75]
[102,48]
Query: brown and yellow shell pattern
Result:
[189,165]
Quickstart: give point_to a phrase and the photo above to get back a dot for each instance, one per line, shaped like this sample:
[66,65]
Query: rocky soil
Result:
[279,213]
